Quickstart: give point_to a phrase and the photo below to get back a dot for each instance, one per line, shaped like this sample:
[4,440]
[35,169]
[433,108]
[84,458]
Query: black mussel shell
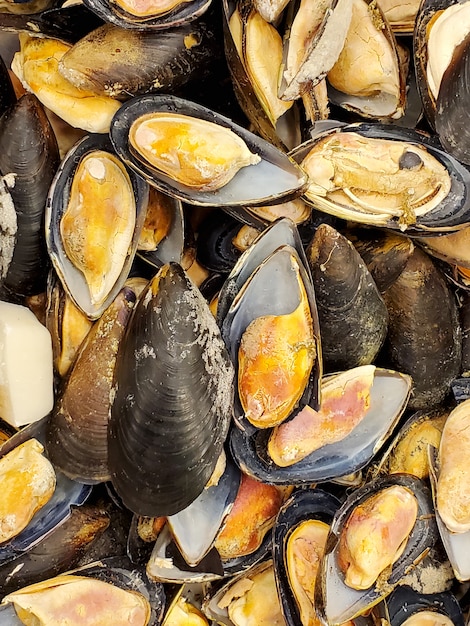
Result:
[404,602]
[274,178]
[451,104]
[77,437]
[352,314]
[419,301]
[451,213]
[66,23]
[72,277]
[57,552]
[30,155]
[172,398]
[111,12]
[303,505]
[120,63]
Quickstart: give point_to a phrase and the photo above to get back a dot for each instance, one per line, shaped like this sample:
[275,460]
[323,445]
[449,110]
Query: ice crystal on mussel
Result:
[173,398]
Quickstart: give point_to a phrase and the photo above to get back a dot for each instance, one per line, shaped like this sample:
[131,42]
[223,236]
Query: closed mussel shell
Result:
[122,63]
[77,439]
[92,201]
[419,301]
[352,314]
[30,159]
[172,398]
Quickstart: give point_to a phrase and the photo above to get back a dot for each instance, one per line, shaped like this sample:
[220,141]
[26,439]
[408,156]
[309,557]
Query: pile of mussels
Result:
[244,225]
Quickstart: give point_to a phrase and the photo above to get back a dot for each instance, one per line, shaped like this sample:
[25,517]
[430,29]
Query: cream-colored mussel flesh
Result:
[373,180]
[98,224]
[194,152]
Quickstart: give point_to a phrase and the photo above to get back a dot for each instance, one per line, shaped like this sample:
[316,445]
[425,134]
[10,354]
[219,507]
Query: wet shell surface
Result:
[171,410]
[275,176]
[77,234]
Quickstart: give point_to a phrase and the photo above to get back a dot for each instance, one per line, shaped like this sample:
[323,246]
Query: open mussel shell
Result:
[274,178]
[116,571]
[450,491]
[337,602]
[249,596]
[93,274]
[450,213]
[162,238]
[381,91]
[67,493]
[247,40]
[282,232]
[59,551]
[388,398]
[122,13]
[435,36]
[450,114]
[408,451]
[304,505]
[277,293]
[173,364]
[405,606]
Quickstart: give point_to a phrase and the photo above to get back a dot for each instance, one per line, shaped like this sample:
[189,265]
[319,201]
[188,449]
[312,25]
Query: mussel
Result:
[78,236]
[172,408]
[272,176]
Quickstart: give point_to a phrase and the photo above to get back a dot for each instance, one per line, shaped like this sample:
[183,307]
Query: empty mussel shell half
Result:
[301,525]
[421,168]
[94,200]
[67,493]
[195,527]
[337,601]
[148,15]
[202,173]
[388,398]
